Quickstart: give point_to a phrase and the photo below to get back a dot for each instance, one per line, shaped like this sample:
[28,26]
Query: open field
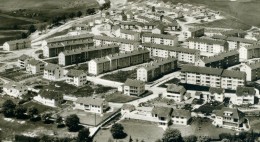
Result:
[10,22]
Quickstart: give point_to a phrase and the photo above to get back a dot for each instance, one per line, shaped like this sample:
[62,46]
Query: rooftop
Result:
[162,111]
[245,91]
[181,113]
[90,101]
[164,36]
[173,88]
[207,41]
[60,39]
[75,73]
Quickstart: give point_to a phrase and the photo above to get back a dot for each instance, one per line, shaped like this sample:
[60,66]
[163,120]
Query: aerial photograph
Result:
[129,70]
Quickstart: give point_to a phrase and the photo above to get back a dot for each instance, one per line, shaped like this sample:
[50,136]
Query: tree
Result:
[203,139]
[130,139]
[20,112]
[42,27]
[90,11]
[46,117]
[24,35]
[117,131]
[32,112]
[158,140]
[83,135]
[191,138]
[72,15]
[72,122]
[153,9]
[31,29]
[172,135]
[79,14]
[8,108]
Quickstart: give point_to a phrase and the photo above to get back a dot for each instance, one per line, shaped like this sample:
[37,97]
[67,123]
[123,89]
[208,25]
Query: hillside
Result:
[7,5]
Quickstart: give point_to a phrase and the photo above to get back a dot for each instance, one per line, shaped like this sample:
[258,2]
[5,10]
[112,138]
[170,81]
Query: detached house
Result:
[134,87]
[216,94]
[93,105]
[243,95]
[162,115]
[53,72]
[181,116]
[15,89]
[35,66]
[49,98]
[76,77]
[23,61]
[230,118]
[175,92]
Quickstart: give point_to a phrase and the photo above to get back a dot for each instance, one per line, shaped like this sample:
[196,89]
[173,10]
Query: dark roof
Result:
[213,71]
[134,82]
[181,113]
[75,73]
[162,111]
[236,114]
[116,39]
[128,107]
[214,90]
[18,41]
[238,39]
[34,62]
[207,41]
[24,57]
[51,67]
[60,39]
[245,91]
[157,63]
[48,94]
[164,36]
[170,48]
[90,101]
[255,65]
[176,89]
[220,56]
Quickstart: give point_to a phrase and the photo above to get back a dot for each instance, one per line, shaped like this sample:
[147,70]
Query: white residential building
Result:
[208,45]
[15,89]
[76,77]
[163,39]
[212,77]
[252,70]
[93,105]
[35,66]
[49,98]
[175,92]
[53,72]
[23,61]
[133,87]
[181,116]
[17,44]
[236,42]
[243,96]
[180,53]
[249,52]
[216,94]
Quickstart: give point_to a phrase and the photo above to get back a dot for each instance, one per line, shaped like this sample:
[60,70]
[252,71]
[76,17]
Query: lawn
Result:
[8,23]
[141,130]
[41,108]
[118,97]
[88,118]
[120,76]
[13,75]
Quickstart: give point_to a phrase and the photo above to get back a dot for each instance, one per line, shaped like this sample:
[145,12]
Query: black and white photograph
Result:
[129,70]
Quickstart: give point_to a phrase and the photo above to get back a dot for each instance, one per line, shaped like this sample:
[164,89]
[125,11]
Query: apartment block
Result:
[162,39]
[53,46]
[35,66]
[17,45]
[80,55]
[212,77]
[175,92]
[76,77]
[249,52]
[128,34]
[124,44]
[252,70]
[165,51]
[194,32]
[237,42]
[53,72]
[221,60]
[156,69]
[117,61]
[208,45]
[133,87]
[93,105]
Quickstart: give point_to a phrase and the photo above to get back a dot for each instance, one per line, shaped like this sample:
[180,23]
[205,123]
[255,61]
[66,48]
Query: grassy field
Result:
[120,98]
[120,76]
[10,22]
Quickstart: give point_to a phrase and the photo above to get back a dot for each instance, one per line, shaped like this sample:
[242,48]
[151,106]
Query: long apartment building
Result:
[53,46]
[165,51]
[252,70]
[212,77]
[80,55]
[128,34]
[124,44]
[163,39]
[237,42]
[156,69]
[208,45]
[17,44]
[249,52]
[117,61]
[222,60]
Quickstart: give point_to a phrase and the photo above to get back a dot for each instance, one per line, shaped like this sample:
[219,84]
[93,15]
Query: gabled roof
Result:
[24,57]
[201,70]
[34,62]
[134,83]
[75,73]
[214,90]
[90,101]
[100,60]
[127,54]
[116,39]
[12,42]
[207,41]
[164,36]
[129,32]
[233,74]
[220,56]
[170,48]
[157,63]
[243,40]
[60,39]
[253,66]
[245,91]
[162,111]
[49,94]
[51,67]
[15,85]
[236,114]
[181,113]
[173,88]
